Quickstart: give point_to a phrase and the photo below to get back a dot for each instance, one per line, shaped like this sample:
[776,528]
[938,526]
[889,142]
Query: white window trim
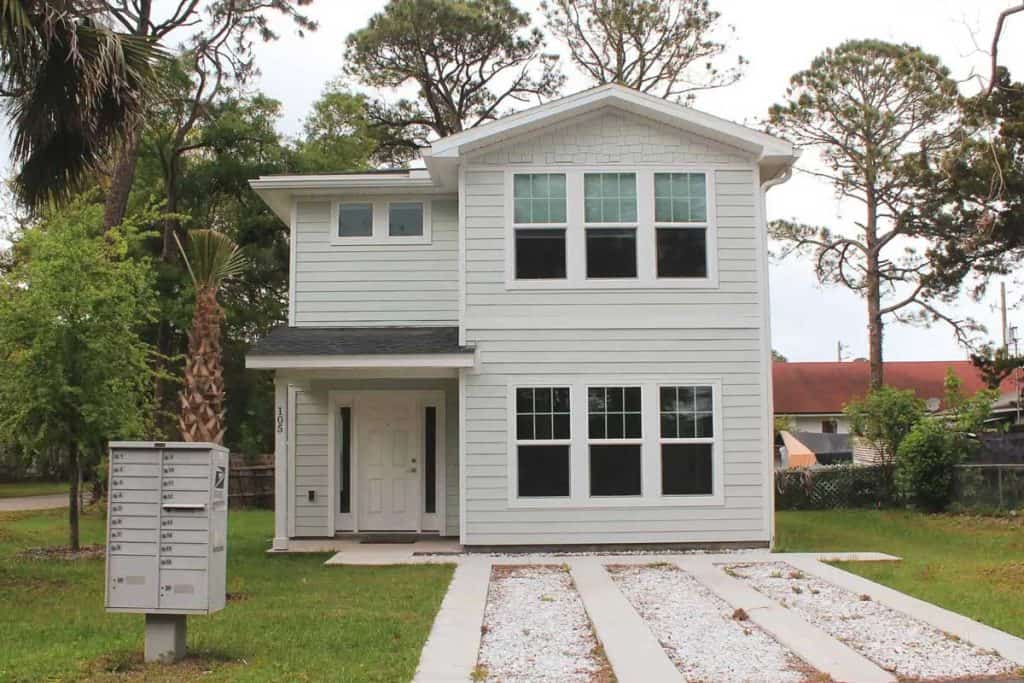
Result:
[714,440]
[381,222]
[575,226]
[517,442]
[625,441]
[650,454]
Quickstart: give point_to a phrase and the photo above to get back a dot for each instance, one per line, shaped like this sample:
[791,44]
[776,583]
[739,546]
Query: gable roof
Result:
[825,388]
[768,149]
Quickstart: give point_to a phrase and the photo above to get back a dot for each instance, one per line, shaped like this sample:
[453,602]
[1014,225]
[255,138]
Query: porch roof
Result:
[341,347]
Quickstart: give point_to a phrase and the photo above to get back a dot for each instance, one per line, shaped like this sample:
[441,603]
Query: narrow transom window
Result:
[355,220]
[687,439]
[542,441]
[405,219]
[539,198]
[614,417]
[609,197]
[680,198]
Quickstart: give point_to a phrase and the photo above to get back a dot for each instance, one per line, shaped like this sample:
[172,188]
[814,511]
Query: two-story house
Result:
[556,332]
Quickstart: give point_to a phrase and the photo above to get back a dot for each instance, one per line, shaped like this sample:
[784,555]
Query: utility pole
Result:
[1002,310]
[839,351]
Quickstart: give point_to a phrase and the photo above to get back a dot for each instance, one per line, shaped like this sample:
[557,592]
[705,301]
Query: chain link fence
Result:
[983,486]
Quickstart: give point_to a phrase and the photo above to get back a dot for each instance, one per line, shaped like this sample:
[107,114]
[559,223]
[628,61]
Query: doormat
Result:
[387,539]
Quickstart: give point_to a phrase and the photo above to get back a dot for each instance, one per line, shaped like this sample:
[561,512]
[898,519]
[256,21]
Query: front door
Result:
[388,427]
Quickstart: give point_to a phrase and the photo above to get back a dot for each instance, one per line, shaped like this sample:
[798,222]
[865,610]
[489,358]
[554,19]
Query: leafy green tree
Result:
[337,134]
[883,418]
[71,87]
[966,414]
[74,371]
[470,60]
[926,465]
[659,47]
[874,111]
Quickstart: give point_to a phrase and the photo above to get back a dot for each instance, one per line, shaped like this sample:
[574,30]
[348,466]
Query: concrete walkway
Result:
[47,502]
[635,654]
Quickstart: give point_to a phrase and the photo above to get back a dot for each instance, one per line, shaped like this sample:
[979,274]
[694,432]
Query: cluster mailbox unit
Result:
[166,536]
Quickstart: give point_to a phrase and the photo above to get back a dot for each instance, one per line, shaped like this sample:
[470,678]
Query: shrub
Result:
[883,419]
[926,465]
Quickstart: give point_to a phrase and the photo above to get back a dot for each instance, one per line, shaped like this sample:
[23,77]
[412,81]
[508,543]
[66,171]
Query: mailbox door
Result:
[182,589]
[132,582]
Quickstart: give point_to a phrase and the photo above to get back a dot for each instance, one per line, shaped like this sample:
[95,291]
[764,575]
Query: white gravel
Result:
[895,641]
[536,629]
[698,632]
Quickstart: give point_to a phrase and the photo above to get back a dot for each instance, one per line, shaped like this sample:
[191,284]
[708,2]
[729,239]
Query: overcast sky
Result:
[778,38]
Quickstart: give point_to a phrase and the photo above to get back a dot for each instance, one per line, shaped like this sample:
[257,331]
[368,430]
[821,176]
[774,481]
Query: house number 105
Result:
[280,420]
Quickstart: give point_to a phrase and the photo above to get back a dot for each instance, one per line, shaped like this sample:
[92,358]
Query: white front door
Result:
[389,436]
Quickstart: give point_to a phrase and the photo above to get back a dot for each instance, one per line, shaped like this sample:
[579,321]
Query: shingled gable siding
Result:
[375,284]
[311,448]
[605,336]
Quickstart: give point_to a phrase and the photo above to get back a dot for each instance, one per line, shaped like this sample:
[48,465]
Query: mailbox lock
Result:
[115,546]
[168,496]
[165,562]
[116,521]
[118,482]
[116,508]
[115,534]
[167,522]
[168,470]
[115,495]
[169,482]
[118,469]
[165,548]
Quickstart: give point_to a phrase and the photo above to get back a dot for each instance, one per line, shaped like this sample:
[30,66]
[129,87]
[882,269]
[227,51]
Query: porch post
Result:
[281,497]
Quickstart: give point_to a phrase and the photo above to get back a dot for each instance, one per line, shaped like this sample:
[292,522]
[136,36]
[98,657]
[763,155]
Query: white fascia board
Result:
[325,362]
[761,144]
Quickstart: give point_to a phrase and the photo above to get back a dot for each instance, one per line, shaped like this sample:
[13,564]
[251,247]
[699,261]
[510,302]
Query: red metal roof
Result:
[813,388]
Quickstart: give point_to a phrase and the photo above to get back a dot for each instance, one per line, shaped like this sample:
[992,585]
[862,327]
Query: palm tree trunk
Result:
[202,399]
[116,203]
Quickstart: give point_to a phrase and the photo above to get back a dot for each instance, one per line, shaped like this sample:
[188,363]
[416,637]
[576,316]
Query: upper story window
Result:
[681,224]
[610,228]
[539,220]
[385,221]
[609,201]
[355,220]
[405,219]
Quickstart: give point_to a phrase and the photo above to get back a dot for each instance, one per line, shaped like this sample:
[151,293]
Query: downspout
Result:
[767,331]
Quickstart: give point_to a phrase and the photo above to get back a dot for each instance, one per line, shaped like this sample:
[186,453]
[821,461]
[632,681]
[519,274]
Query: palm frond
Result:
[211,258]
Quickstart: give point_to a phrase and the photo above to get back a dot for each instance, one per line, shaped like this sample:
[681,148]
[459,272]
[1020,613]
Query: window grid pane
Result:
[405,219]
[614,413]
[542,414]
[680,198]
[609,197]
[687,412]
[355,220]
[538,197]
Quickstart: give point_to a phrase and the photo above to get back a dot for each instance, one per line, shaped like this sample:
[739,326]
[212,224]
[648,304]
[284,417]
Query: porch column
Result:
[281,497]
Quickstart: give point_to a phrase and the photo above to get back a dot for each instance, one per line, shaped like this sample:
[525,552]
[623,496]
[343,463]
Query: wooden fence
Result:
[251,484]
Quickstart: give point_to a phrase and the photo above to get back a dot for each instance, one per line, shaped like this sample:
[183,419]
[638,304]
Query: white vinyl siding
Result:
[312,452]
[399,281]
[616,357]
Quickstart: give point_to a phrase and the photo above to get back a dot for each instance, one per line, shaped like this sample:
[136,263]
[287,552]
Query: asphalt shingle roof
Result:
[330,341]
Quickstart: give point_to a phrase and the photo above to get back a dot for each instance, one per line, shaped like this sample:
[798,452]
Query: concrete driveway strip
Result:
[975,633]
[48,502]
[634,653]
[808,642]
[452,648]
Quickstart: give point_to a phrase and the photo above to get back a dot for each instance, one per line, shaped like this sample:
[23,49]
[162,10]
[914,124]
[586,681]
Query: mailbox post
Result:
[166,537]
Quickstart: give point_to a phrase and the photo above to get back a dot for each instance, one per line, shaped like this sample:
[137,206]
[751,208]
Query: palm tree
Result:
[212,257]
[71,89]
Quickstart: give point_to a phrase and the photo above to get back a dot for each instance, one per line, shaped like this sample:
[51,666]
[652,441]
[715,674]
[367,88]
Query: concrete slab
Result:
[632,650]
[962,627]
[451,650]
[814,646]
[47,502]
[430,551]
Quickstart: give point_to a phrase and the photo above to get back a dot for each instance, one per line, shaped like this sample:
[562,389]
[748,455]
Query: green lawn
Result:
[32,488]
[294,619]
[971,565]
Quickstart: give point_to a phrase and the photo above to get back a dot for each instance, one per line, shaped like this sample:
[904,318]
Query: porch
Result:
[367,435]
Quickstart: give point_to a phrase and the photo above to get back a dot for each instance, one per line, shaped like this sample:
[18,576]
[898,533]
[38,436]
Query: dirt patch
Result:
[1005,575]
[60,552]
[130,667]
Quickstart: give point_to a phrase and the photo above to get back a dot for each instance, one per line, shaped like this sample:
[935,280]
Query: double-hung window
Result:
[610,218]
[539,219]
[681,224]
[615,440]
[542,441]
[687,416]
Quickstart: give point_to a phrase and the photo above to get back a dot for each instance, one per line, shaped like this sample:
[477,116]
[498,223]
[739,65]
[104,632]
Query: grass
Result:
[18,489]
[971,565]
[292,619]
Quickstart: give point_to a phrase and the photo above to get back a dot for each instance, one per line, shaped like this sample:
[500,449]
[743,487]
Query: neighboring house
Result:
[812,396]
[808,449]
[555,333]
